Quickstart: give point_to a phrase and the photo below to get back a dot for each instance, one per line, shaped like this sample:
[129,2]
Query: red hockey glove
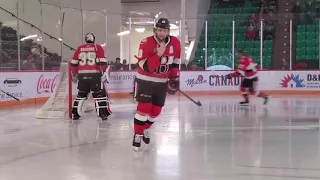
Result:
[173,85]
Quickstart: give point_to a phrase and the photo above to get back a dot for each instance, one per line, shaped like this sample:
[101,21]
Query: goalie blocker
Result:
[90,65]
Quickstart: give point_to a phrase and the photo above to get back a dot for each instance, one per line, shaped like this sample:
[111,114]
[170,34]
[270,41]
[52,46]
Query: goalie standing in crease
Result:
[158,61]
[88,67]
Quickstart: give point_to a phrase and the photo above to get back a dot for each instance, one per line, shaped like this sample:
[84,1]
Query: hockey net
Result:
[59,104]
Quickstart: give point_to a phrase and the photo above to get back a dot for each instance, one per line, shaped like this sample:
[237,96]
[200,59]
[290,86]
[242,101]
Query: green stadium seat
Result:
[220,35]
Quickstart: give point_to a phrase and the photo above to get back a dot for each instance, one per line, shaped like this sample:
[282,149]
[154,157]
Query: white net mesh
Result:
[57,106]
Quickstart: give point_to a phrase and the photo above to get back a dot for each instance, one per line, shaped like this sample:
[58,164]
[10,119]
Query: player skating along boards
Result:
[248,69]
[89,66]
[158,73]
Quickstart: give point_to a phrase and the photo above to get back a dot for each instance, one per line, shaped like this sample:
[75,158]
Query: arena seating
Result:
[10,46]
[307,44]
[220,36]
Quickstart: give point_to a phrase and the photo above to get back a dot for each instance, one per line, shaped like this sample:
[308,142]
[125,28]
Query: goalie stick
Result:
[9,95]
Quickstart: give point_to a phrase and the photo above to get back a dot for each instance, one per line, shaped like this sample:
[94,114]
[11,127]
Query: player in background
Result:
[89,65]
[157,74]
[248,69]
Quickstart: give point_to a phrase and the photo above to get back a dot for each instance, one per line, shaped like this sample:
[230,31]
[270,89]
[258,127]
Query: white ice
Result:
[218,141]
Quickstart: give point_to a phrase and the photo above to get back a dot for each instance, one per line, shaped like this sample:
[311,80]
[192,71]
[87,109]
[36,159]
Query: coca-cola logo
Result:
[46,85]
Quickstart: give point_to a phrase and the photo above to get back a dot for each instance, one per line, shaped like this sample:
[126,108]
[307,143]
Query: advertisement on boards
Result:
[299,80]
[208,81]
[121,81]
[14,84]
[46,82]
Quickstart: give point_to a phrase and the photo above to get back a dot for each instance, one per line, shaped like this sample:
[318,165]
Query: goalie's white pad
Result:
[82,102]
[106,75]
[102,103]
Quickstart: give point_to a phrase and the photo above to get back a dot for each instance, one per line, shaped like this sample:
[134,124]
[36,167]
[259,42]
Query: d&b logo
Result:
[313,77]
[292,81]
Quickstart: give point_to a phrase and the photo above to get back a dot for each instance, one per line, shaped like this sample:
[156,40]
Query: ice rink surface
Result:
[218,141]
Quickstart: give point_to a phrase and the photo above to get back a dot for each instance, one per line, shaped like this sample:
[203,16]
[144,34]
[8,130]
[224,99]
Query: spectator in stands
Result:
[268,33]
[28,64]
[125,66]
[296,10]
[117,65]
[310,13]
[251,33]
[4,56]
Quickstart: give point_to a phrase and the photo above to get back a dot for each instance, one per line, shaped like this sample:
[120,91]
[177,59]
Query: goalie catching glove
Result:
[173,85]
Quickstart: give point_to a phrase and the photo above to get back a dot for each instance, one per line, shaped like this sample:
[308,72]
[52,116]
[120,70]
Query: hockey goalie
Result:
[89,70]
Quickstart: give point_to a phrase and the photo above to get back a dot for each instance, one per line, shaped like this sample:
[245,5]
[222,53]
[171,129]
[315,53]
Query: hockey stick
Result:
[9,95]
[197,103]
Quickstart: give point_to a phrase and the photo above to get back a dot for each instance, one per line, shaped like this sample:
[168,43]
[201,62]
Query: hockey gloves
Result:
[173,85]
[229,76]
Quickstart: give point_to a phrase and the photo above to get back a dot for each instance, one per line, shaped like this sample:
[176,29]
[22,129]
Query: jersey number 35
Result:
[87,58]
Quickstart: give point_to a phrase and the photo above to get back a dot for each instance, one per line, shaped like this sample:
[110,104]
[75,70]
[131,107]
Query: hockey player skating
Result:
[88,67]
[157,74]
[247,68]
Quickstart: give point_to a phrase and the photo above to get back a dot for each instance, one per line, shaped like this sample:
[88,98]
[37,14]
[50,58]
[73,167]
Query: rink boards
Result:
[40,85]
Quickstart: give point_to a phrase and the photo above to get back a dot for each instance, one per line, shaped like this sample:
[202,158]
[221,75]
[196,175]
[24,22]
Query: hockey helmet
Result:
[90,38]
[163,23]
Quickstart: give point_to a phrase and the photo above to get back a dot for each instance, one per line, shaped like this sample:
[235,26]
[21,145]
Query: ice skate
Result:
[244,103]
[146,137]
[104,118]
[136,142]
[75,117]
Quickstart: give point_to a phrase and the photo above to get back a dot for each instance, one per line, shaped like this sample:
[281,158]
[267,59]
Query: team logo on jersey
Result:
[292,81]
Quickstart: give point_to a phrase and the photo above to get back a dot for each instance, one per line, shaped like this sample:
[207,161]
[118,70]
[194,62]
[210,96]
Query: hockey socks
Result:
[148,124]
[139,126]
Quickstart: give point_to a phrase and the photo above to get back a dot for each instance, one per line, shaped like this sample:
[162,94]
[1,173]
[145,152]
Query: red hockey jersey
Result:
[247,68]
[158,69]
[88,58]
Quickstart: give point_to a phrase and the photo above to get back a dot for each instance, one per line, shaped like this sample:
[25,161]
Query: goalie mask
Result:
[90,38]
[162,28]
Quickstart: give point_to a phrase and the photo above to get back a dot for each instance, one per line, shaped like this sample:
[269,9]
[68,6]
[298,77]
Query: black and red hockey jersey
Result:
[247,68]
[158,69]
[88,58]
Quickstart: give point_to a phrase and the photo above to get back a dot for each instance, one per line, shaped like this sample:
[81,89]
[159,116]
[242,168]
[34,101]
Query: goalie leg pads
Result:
[78,104]
[102,103]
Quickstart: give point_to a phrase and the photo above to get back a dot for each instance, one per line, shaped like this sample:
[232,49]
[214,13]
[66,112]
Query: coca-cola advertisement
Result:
[46,84]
